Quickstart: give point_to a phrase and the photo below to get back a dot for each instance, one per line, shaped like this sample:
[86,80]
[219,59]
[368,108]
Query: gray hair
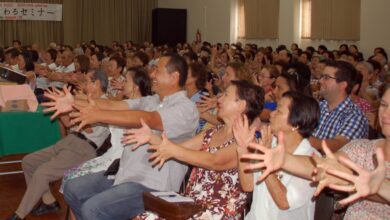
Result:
[99,74]
[367,65]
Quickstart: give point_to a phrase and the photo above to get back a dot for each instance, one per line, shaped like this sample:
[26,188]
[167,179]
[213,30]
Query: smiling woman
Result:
[280,195]
[214,179]
[363,153]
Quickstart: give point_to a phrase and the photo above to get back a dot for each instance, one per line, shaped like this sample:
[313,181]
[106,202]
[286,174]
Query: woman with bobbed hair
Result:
[235,71]
[195,86]
[279,195]
[213,182]
[286,81]
[138,84]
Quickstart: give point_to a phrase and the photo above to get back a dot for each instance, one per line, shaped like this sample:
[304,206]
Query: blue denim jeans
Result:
[93,197]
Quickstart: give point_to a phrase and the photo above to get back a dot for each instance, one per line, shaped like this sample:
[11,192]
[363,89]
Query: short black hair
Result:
[344,45]
[281,47]
[52,53]
[17,41]
[142,79]
[28,59]
[330,54]
[99,55]
[177,63]
[253,95]
[303,77]
[35,55]
[241,57]
[292,80]
[375,64]
[358,81]
[143,57]
[322,47]
[346,72]
[199,72]
[120,62]
[308,55]
[13,53]
[383,54]
[191,56]
[310,49]
[304,112]
[355,57]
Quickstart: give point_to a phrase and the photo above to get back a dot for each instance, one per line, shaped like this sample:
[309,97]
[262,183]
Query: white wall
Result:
[374,26]
[216,19]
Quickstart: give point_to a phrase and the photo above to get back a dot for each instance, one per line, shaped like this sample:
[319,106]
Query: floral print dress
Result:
[218,191]
[362,153]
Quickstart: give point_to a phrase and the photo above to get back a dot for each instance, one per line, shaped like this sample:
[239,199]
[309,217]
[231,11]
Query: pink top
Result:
[362,153]
[363,104]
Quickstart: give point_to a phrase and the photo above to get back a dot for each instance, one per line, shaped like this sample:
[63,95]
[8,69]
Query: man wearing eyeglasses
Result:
[341,120]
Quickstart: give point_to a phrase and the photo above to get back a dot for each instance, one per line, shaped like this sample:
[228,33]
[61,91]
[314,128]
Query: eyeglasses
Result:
[327,77]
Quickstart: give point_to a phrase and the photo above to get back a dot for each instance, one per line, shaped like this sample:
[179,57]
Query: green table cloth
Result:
[25,132]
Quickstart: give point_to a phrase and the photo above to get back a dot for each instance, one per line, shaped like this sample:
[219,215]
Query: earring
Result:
[294,129]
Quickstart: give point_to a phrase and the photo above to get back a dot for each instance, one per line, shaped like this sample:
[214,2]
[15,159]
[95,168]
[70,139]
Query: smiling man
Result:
[96,197]
[341,120]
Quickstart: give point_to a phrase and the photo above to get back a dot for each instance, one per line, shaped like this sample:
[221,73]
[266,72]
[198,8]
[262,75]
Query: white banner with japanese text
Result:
[30,11]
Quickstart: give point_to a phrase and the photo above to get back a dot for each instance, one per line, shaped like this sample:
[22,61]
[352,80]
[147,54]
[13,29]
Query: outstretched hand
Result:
[365,183]
[86,115]
[60,101]
[271,159]
[243,134]
[322,164]
[163,152]
[139,136]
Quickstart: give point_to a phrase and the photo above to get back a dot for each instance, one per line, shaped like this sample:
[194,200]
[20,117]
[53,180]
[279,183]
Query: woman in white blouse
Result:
[137,85]
[280,195]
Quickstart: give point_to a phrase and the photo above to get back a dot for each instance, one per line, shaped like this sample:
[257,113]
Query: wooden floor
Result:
[12,188]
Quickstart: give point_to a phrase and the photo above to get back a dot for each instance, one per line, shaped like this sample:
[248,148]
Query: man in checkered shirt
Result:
[341,120]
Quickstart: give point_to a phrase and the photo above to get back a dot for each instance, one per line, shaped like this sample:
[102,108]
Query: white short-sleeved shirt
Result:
[99,132]
[299,194]
[62,69]
[43,82]
[179,117]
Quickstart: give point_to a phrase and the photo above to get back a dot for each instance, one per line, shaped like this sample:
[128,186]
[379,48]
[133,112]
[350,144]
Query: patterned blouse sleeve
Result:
[357,150]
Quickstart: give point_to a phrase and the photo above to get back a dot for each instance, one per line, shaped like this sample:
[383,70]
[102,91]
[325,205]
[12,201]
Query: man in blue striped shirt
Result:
[341,120]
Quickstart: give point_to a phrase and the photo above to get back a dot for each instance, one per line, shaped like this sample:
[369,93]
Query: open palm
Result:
[137,136]
[61,102]
[365,183]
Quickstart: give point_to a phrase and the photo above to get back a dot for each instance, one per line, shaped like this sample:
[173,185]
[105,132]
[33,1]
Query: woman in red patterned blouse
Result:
[214,179]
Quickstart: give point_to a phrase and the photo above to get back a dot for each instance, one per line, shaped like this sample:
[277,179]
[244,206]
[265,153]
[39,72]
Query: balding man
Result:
[66,67]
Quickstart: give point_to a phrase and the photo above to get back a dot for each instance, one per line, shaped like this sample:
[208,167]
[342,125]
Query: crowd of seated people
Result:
[267,133]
